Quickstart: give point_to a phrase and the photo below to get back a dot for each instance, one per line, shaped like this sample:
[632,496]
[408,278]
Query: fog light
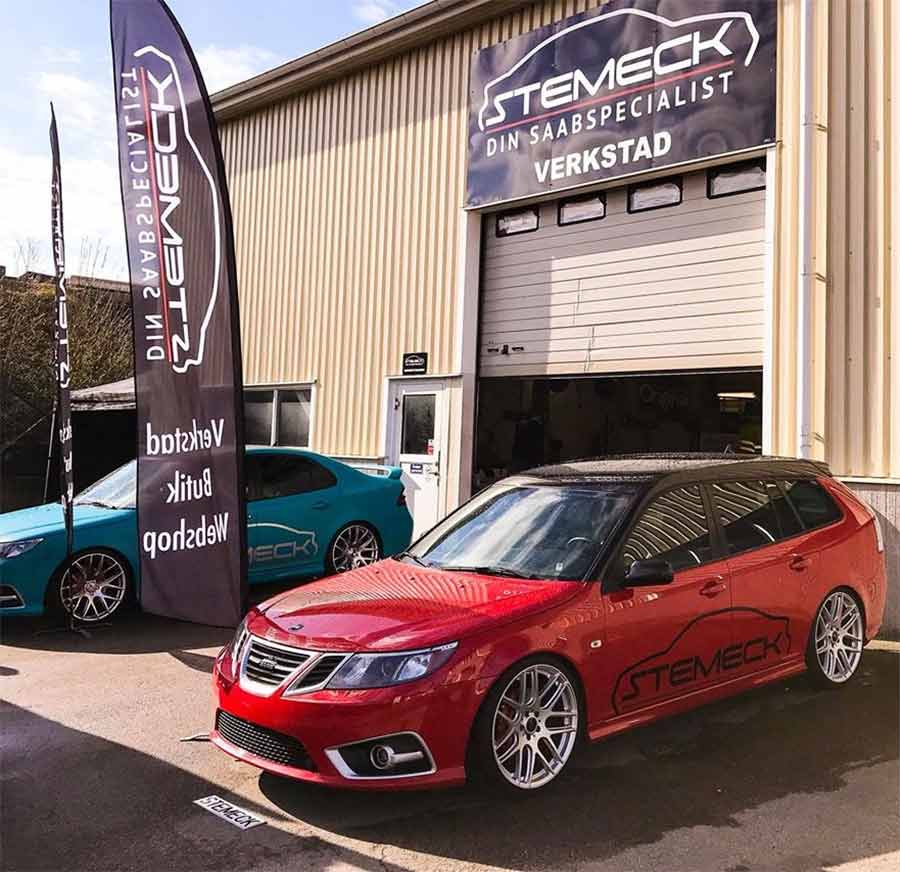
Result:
[384,757]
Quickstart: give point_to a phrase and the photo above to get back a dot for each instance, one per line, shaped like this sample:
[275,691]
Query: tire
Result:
[836,639]
[92,586]
[355,545]
[504,724]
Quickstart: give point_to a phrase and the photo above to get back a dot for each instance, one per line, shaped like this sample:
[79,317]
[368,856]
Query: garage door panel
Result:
[703,287]
[712,286]
[629,290]
[685,349]
[698,211]
[562,267]
[625,324]
[674,240]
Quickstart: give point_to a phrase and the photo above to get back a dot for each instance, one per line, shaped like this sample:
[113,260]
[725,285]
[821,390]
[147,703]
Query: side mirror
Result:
[643,573]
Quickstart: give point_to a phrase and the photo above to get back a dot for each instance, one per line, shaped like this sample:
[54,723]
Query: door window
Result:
[673,527]
[747,515]
[280,475]
[812,502]
[417,435]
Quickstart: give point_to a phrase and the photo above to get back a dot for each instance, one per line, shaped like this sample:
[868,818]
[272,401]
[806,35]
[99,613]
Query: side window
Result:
[673,527]
[812,503]
[280,475]
[788,519]
[747,514]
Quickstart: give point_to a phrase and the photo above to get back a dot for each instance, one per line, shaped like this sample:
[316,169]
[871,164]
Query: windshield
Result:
[528,530]
[115,491]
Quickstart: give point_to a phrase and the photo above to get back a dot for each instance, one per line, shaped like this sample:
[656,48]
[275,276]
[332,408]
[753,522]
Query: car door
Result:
[763,537]
[291,500]
[668,640]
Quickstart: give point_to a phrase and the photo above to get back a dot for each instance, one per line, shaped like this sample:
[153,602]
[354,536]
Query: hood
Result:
[47,519]
[392,606]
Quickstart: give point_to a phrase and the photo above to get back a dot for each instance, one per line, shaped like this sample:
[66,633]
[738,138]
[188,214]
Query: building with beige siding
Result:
[740,298]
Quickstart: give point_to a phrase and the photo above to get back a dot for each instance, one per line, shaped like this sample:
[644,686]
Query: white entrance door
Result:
[416,423]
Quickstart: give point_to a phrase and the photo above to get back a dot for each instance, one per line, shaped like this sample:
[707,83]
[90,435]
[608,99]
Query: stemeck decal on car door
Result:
[681,666]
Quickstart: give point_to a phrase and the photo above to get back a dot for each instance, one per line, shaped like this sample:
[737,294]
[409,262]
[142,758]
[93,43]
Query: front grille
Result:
[269,664]
[263,742]
[320,672]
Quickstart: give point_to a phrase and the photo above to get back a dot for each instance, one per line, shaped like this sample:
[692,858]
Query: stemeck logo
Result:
[158,167]
[702,48]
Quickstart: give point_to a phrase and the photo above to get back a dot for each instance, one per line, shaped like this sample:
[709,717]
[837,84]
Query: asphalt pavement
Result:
[94,775]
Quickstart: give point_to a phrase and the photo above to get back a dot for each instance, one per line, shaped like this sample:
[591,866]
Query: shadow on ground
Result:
[75,801]
[702,769]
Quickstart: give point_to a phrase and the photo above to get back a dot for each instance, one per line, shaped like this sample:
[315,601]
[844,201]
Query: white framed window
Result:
[736,178]
[658,194]
[576,210]
[278,415]
[518,221]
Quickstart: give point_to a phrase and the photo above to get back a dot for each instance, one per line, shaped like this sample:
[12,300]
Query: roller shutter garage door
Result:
[679,287]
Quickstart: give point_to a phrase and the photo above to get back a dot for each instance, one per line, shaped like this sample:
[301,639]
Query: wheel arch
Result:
[365,522]
[114,552]
[847,588]
[540,654]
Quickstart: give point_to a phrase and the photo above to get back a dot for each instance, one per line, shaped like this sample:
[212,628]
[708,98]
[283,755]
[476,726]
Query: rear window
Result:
[813,503]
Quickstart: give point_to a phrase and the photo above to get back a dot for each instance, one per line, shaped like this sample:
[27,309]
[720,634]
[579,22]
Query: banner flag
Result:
[188,382]
[62,369]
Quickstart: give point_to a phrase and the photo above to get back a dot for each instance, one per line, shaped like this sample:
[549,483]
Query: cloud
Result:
[84,103]
[373,11]
[58,55]
[222,67]
[91,201]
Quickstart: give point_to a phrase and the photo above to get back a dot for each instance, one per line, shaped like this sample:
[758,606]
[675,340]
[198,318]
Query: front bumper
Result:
[439,714]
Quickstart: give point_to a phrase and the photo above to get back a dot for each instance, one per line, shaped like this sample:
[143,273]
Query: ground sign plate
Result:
[234,814]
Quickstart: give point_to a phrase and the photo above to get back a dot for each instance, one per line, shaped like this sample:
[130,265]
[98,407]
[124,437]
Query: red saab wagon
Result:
[570,601]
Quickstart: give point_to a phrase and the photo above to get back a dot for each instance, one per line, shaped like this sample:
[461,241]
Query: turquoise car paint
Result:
[287,536]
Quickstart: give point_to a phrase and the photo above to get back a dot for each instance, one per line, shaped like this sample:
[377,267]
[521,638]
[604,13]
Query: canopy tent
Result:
[114,396]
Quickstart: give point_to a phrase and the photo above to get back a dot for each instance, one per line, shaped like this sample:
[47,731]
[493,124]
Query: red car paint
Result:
[640,653]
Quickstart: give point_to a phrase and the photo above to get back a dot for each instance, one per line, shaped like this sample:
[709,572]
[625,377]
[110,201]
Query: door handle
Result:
[713,587]
[798,563]
[321,504]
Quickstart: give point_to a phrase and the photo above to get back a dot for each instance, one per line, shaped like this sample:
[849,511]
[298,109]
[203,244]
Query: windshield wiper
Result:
[407,556]
[504,571]
[99,503]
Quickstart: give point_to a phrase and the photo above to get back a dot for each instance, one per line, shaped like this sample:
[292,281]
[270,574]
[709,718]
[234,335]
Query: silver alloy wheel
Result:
[355,546]
[839,636]
[535,726]
[93,586]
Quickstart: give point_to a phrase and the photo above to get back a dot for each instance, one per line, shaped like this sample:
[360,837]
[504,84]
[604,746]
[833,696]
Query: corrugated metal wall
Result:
[346,201]
[346,204]
[860,393]
[674,288]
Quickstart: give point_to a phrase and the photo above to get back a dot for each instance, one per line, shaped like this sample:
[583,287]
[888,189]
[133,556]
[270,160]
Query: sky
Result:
[59,50]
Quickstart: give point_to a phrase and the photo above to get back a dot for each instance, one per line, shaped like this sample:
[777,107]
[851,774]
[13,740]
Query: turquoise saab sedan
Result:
[307,515]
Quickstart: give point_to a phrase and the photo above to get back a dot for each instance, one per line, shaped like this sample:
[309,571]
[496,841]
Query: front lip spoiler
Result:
[447,777]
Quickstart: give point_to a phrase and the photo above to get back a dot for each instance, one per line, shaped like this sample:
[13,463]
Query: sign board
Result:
[191,515]
[228,811]
[629,87]
[415,363]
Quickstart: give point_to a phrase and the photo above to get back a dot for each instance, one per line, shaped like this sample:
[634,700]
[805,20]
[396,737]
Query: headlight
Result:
[383,670]
[14,549]
[237,643]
